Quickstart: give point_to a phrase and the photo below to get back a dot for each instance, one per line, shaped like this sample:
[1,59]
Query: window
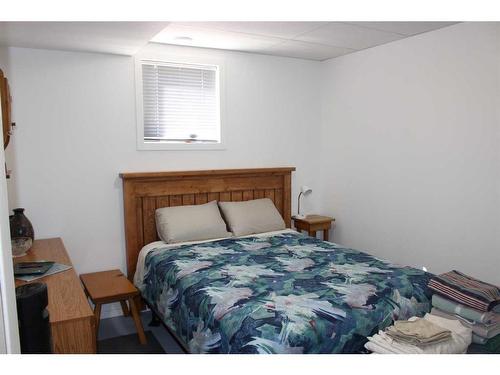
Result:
[178,106]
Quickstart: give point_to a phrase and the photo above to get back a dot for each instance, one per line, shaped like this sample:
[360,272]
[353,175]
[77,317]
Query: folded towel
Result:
[452,307]
[466,290]
[491,346]
[483,330]
[478,339]
[418,332]
[381,343]
[420,343]
[458,342]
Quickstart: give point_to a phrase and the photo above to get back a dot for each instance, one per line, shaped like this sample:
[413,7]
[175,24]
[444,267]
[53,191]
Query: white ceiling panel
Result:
[303,50]
[182,34]
[124,38]
[404,28]
[350,36]
[284,30]
[306,40]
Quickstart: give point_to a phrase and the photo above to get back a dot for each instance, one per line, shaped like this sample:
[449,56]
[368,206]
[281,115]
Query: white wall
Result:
[75,115]
[411,149]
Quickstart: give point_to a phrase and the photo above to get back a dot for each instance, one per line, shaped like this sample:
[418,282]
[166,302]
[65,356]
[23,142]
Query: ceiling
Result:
[123,38]
[306,40]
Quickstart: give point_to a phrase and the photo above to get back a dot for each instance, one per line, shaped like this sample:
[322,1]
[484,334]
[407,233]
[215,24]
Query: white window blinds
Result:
[180,103]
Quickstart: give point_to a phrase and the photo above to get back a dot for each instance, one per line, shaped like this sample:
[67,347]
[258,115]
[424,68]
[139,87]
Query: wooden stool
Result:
[113,286]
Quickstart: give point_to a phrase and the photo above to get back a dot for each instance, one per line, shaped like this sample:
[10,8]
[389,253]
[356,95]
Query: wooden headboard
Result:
[143,193]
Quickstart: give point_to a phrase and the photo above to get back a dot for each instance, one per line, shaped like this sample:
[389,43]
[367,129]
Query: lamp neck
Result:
[298,203]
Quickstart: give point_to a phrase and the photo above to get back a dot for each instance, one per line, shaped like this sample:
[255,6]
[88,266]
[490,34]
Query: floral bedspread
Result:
[286,293]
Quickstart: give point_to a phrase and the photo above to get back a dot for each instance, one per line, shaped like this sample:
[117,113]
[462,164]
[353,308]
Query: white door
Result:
[3,344]
[9,332]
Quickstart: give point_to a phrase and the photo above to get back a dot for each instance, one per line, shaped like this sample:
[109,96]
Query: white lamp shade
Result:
[305,190]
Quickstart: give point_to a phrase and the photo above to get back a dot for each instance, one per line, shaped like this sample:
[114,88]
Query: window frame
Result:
[142,144]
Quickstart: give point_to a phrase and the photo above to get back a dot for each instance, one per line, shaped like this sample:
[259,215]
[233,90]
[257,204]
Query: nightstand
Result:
[312,223]
[112,286]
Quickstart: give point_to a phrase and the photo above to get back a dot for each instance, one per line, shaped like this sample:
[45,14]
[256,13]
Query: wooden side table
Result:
[312,223]
[112,286]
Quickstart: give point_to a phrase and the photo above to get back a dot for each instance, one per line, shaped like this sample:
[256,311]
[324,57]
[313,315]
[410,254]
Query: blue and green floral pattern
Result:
[286,293]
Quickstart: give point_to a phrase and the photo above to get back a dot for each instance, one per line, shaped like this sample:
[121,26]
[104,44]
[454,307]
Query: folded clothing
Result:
[466,290]
[458,342]
[476,339]
[491,346]
[479,349]
[452,307]
[483,330]
[493,343]
[418,332]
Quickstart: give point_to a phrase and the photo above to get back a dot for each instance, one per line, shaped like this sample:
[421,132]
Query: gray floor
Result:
[120,325]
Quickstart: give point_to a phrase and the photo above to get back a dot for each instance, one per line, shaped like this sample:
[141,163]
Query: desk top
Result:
[67,300]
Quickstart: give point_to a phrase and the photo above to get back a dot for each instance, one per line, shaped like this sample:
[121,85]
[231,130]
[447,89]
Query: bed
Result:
[276,292]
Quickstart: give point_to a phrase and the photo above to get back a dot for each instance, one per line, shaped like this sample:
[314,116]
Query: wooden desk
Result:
[72,321]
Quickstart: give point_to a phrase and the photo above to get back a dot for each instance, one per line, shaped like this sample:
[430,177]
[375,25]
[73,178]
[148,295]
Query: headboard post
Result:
[144,192]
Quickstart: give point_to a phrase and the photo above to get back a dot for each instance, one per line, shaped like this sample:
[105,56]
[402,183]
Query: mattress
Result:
[280,292]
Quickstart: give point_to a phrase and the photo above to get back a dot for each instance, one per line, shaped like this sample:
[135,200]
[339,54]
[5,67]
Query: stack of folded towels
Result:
[474,303]
[428,335]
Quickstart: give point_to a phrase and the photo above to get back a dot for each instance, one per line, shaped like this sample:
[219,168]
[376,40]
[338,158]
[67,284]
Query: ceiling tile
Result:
[211,38]
[124,38]
[308,40]
[304,50]
[350,36]
[404,28]
[284,30]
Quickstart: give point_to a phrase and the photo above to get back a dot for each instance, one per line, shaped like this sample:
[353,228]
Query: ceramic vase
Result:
[21,233]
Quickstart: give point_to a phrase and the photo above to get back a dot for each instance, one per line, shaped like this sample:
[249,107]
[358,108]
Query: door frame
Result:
[9,331]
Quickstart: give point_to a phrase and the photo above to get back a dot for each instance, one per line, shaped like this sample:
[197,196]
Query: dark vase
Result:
[21,232]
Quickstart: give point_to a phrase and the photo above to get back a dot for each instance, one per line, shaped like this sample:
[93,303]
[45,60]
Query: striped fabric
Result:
[466,290]
[452,307]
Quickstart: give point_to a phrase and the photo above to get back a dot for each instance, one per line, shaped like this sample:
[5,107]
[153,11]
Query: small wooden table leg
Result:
[325,235]
[137,321]
[125,309]
[97,313]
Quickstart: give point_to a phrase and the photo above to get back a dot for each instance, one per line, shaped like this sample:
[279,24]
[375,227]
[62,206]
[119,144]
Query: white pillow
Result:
[250,217]
[190,223]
